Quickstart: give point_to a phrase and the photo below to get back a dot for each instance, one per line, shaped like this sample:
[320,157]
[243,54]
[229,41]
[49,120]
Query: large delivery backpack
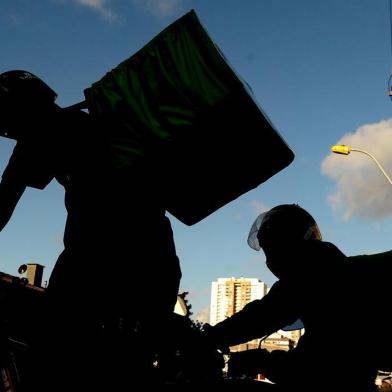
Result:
[177,107]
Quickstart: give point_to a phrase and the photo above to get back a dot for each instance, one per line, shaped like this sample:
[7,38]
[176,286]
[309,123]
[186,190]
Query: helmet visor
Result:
[253,241]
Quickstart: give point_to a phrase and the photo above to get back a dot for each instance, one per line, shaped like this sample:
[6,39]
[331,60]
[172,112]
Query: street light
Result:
[345,150]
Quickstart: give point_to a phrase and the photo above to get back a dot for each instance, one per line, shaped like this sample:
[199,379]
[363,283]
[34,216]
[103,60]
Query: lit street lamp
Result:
[345,150]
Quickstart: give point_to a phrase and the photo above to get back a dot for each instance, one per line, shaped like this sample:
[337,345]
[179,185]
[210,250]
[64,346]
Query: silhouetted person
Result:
[119,270]
[340,300]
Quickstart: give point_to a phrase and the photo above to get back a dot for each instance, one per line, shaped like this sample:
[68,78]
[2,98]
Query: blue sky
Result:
[319,69]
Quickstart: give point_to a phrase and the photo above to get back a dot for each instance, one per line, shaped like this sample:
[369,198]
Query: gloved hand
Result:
[214,341]
[247,363]
[201,359]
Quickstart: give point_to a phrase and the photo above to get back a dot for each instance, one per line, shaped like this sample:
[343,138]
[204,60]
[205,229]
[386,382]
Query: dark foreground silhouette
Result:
[106,320]
[110,268]
[183,361]
[339,299]
[175,106]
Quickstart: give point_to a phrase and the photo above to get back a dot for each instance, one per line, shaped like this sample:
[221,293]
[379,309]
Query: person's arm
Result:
[10,193]
[31,164]
[259,318]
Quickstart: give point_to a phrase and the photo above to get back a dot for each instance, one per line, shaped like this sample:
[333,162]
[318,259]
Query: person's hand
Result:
[247,363]
[213,341]
[205,360]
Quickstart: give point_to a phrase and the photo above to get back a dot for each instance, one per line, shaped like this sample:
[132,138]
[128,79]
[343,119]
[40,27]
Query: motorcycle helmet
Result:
[288,221]
[21,93]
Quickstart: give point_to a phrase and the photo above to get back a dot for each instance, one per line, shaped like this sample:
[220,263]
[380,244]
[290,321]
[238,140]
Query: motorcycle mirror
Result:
[298,324]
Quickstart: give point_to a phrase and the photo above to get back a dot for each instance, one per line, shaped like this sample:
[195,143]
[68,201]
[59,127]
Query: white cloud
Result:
[161,8]
[258,207]
[203,315]
[361,188]
[101,6]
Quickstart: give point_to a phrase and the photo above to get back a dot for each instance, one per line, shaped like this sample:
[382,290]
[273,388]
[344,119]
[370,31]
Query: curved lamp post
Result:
[345,150]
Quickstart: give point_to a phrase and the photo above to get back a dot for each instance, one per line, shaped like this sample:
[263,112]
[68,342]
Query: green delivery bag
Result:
[177,107]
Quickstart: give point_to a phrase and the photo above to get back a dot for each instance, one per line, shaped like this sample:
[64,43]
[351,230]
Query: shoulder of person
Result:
[76,123]
[321,248]
[375,257]
[378,265]
[71,115]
